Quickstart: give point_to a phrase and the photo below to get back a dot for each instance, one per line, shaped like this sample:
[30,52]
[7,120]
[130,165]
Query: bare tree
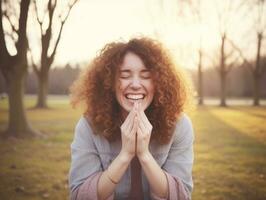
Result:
[226,13]
[48,35]
[256,68]
[197,14]
[224,10]
[14,67]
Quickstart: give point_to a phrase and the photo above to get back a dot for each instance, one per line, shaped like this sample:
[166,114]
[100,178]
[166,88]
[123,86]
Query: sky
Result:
[93,23]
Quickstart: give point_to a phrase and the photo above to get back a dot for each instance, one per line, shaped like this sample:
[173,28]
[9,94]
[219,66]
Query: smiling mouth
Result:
[135,97]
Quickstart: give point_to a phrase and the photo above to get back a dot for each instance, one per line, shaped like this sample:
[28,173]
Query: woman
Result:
[134,140]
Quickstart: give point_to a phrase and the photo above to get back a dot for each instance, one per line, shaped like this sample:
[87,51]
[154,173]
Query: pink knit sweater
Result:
[88,190]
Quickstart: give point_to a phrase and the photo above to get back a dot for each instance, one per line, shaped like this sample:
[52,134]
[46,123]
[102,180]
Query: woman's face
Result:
[134,83]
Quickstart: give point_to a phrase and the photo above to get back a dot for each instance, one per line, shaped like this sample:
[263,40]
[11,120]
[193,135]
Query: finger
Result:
[134,133]
[135,125]
[141,123]
[130,121]
[130,114]
[130,117]
[145,119]
[138,105]
[139,133]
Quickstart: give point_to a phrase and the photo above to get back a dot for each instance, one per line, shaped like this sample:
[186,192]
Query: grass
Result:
[230,153]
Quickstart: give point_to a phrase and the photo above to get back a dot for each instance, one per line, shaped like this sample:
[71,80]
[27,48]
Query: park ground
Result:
[230,153]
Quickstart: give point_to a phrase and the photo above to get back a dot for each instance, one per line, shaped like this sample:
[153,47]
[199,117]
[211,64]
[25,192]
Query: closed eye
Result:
[146,74]
[125,74]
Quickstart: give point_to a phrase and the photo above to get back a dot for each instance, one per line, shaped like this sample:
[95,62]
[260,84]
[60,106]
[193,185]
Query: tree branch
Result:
[11,36]
[70,6]
[226,56]
[51,9]
[35,68]
[10,22]
[4,54]
[40,21]
[69,9]
[246,62]
[230,67]
[22,42]
[51,58]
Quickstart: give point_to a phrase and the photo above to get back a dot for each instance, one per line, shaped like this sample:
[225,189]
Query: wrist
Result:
[144,157]
[110,178]
[125,157]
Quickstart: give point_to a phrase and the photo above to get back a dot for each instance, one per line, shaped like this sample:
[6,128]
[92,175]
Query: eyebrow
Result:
[128,70]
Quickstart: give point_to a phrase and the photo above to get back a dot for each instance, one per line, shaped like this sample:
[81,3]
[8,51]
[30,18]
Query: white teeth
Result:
[135,96]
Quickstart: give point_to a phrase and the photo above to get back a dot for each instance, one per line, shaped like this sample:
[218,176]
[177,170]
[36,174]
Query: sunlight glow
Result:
[92,24]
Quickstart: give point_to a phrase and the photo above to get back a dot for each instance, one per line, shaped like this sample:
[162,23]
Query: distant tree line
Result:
[60,78]
[239,81]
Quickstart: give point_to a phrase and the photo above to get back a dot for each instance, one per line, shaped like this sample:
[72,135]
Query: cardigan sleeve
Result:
[88,190]
[85,169]
[176,191]
[178,165]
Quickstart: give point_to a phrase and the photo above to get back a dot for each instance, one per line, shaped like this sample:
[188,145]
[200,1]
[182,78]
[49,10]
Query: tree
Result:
[194,8]
[197,13]
[226,12]
[14,67]
[256,68]
[47,44]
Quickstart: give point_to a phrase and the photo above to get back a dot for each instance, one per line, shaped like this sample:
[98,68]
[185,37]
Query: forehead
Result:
[132,61]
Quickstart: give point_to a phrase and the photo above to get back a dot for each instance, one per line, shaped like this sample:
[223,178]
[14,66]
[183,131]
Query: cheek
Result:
[151,88]
[120,87]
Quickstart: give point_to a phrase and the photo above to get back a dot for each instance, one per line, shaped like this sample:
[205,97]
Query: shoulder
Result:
[84,135]
[184,121]
[82,125]
[83,130]
[184,129]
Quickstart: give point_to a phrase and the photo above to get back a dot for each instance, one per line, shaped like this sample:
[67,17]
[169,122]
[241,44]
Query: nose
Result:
[136,83]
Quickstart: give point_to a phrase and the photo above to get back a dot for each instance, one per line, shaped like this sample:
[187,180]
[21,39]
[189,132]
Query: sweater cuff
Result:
[89,189]
[176,189]
[155,197]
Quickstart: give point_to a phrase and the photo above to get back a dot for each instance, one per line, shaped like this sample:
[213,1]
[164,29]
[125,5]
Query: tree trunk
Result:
[42,91]
[257,72]
[200,88]
[256,93]
[223,90]
[18,125]
[223,72]
[14,69]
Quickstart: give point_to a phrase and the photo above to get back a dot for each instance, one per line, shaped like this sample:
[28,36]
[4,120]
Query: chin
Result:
[128,106]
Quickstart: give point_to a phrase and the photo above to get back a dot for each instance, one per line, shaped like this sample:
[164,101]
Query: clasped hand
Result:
[136,132]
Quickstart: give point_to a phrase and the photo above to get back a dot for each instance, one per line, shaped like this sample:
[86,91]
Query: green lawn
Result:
[230,154]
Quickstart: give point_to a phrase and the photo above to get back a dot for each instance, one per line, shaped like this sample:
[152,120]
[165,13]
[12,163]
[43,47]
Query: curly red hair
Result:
[96,88]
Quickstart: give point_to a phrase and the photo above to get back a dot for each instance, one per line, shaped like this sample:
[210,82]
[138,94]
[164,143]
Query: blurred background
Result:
[45,44]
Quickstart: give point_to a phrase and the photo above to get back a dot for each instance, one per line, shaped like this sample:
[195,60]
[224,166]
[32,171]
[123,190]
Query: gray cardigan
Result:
[92,154]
